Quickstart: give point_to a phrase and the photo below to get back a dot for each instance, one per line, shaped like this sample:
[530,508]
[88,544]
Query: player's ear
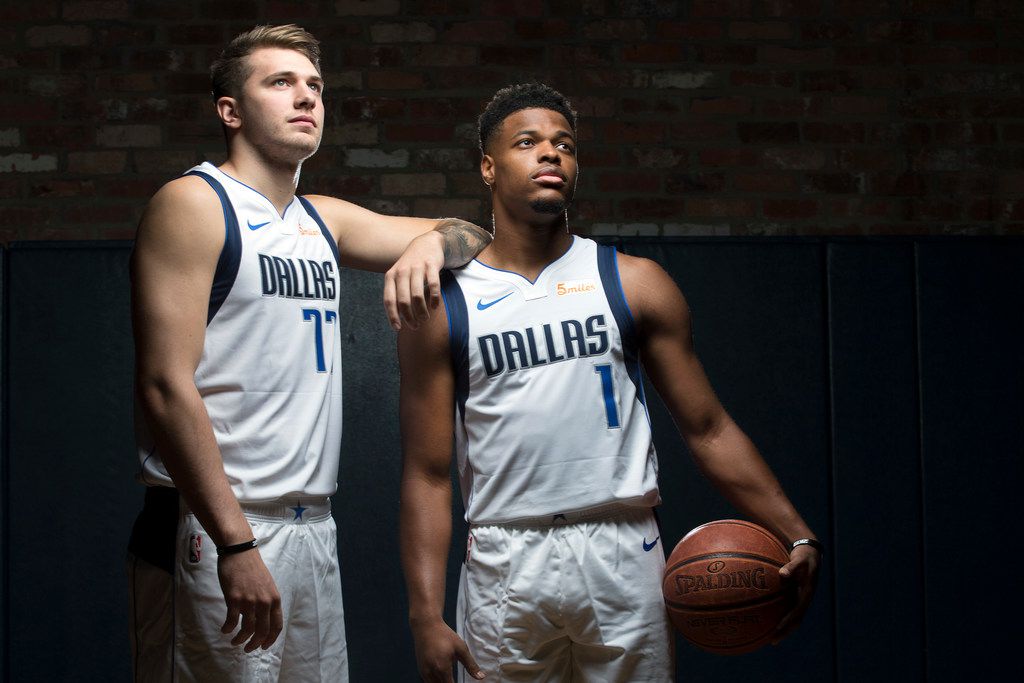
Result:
[487,169]
[227,110]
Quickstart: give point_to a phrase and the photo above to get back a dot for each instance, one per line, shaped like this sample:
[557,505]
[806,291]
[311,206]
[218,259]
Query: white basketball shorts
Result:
[176,619]
[567,598]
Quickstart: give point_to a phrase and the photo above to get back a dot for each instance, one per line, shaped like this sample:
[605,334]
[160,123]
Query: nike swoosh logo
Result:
[648,547]
[480,305]
[257,226]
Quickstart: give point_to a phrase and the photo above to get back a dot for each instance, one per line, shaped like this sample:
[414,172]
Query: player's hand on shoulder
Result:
[438,648]
[412,287]
[801,570]
[250,594]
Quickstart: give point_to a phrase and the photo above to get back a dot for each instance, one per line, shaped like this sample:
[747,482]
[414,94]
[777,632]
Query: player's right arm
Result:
[427,416]
[177,246]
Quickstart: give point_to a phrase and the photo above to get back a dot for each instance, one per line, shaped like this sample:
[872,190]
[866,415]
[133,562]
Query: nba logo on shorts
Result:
[195,548]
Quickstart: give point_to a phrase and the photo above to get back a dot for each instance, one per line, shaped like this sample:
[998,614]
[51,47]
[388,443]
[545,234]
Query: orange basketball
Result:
[722,586]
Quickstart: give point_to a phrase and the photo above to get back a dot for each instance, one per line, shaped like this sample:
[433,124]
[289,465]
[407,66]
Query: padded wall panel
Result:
[367,502]
[877,468]
[972,405]
[71,496]
[759,327]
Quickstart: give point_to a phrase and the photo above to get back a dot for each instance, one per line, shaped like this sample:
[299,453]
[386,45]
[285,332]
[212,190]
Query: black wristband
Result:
[813,542]
[237,548]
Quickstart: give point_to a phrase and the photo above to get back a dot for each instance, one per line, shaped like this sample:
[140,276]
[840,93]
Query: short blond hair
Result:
[229,71]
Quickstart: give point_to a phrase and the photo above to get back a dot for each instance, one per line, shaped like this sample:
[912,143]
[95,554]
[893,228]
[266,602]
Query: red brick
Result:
[832,183]
[760,30]
[418,132]
[870,159]
[725,54]
[768,132]
[618,29]
[866,206]
[858,105]
[480,31]
[963,31]
[689,183]
[61,136]
[412,184]
[867,8]
[283,11]
[954,7]
[150,10]
[512,8]
[29,11]
[395,80]
[778,79]
[931,108]
[899,184]
[859,55]
[632,132]
[372,108]
[774,54]
[997,9]
[228,9]
[819,132]
[655,106]
[689,30]
[789,208]
[26,216]
[436,208]
[701,131]
[661,207]
[511,55]
[576,55]
[621,181]
[737,156]
[721,8]
[721,208]
[93,163]
[932,54]
[445,55]
[364,8]
[98,213]
[988,109]
[888,134]
[826,31]
[656,53]
[548,29]
[966,133]
[996,55]
[91,10]
[764,182]
[729,106]
[793,108]
[792,8]
[794,158]
[829,81]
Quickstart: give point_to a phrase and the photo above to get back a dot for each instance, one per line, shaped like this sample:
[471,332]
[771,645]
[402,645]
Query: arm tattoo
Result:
[462,241]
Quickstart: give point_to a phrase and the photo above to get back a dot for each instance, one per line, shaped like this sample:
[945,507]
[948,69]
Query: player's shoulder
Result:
[650,291]
[640,269]
[186,194]
[184,209]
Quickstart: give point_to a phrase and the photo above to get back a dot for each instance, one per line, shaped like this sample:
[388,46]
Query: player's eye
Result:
[281,81]
[566,146]
[525,142]
[315,86]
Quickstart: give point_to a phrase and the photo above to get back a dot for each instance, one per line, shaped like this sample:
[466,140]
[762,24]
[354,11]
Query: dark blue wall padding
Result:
[759,328]
[876,463]
[70,496]
[882,379]
[971,325]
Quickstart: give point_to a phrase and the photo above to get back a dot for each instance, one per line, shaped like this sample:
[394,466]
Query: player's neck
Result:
[526,248]
[273,179]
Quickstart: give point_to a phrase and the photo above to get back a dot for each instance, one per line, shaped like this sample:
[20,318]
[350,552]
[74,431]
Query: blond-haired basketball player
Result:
[237,308]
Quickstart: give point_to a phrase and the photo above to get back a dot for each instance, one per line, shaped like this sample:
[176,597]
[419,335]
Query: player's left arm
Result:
[412,251]
[720,448]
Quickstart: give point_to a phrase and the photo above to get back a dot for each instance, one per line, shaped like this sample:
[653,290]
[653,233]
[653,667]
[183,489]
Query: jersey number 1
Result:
[313,314]
[608,390]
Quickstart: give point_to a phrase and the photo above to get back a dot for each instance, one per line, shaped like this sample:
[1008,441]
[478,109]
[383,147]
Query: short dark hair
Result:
[229,71]
[513,98]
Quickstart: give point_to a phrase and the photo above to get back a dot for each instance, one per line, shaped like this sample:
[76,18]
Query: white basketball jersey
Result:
[270,373]
[550,413]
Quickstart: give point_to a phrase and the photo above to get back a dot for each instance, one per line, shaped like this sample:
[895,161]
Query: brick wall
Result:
[707,117]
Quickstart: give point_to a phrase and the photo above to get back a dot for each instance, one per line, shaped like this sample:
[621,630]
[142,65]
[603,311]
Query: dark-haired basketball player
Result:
[233,564]
[537,373]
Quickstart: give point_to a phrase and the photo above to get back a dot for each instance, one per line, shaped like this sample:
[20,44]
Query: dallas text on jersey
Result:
[513,350]
[280,277]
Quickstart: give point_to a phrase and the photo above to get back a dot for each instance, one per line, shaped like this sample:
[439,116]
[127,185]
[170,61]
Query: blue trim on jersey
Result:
[283,214]
[534,281]
[230,255]
[311,210]
[458,336]
[608,267]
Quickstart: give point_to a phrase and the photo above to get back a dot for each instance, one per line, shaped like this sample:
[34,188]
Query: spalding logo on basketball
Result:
[722,586]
